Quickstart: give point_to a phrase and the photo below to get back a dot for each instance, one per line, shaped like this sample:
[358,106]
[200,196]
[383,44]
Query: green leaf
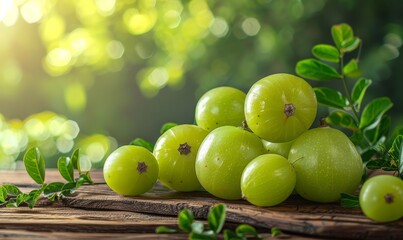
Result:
[275,232]
[316,70]
[326,52]
[395,152]
[351,69]
[185,220]
[22,198]
[66,168]
[341,33]
[349,201]
[246,229]
[350,44]
[330,97]
[201,236]
[3,194]
[230,235]
[34,196]
[143,143]
[378,134]
[53,187]
[35,165]
[167,126]
[342,119]
[382,163]
[11,203]
[197,227]
[216,217]
[163,229]
[359,91]
[68,189]
[53,197]
[12,189]
[75,160]
[373,112]
[84,178]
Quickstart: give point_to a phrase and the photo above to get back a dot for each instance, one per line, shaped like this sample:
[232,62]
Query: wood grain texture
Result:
[98,211]
[295,215]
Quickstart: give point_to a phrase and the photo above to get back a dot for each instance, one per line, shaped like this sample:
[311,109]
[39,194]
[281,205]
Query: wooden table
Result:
[97,212]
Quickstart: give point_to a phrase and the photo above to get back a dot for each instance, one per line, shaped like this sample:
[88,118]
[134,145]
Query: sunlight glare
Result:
[59,57]
[5,6]
[8,12]
[31,11]
[105,7]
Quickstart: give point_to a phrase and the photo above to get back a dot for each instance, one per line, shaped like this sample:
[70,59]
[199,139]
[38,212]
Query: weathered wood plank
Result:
[77,220]
[295,215]
[104,211]
[28,234]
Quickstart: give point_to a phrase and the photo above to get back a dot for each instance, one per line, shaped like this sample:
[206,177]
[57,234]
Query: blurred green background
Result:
[95,74]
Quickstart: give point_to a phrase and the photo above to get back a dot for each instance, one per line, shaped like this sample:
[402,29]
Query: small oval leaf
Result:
[275,232]
[143,143]
[341,33]
[358,92]
[374,111]
[316,70]
[246,229]
[378,134]
[167,126]
[349,201]
[342,119]
[35,165]
[326,52]
[75,159]
[330,97]
[185,220]
[12,189]
[350,44]
[163,229]
[3,194]
[216,217]
[351,69]
[53,187]
[66,168]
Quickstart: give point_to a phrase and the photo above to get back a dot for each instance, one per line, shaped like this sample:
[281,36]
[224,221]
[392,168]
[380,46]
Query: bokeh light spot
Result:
[75,97]
[219,27]
[105,7]
[139,23]
[59,57]
[115,49]
[31,11]
[251,26]
[9,14]
[159,77]
[172,18]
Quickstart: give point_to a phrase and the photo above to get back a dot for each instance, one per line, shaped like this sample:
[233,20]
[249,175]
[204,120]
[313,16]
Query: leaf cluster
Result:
[369,125]
[12,196]
[216,220]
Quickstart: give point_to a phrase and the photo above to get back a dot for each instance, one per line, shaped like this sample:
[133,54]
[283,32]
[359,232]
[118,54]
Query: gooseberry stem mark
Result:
[184,149]
[289,109]
[142,167]
[389,198]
